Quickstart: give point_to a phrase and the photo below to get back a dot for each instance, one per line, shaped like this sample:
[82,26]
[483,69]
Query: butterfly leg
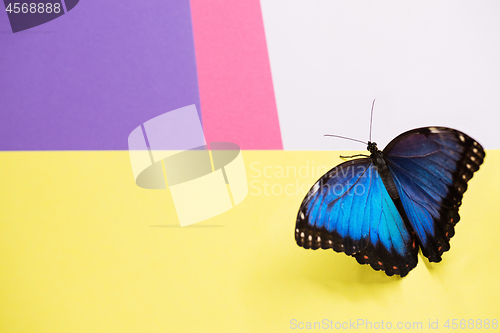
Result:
[352,156]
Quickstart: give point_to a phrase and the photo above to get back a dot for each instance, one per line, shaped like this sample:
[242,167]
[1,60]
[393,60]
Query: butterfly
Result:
[382,208]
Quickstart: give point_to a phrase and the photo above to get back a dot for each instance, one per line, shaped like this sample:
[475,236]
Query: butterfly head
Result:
[372,147]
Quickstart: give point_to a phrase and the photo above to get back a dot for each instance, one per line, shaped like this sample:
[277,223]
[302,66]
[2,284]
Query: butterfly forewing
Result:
[349,210]
[431,167]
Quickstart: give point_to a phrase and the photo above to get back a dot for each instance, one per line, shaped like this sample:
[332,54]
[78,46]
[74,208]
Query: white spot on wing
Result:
[302,215]
[461,137]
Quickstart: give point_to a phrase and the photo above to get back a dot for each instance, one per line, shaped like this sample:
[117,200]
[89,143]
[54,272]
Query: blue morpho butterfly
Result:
[380,209]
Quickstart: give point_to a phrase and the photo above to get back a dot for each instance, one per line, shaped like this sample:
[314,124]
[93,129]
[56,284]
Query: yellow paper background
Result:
[83,249]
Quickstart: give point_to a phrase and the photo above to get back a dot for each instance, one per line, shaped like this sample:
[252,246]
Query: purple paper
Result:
[85,80]
[175,130]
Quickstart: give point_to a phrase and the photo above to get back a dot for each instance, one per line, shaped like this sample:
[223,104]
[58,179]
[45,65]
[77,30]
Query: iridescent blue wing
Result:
[431,167]
[349,210]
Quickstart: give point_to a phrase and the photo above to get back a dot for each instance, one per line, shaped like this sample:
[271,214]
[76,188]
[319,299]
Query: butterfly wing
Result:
[431,167]
[350,211]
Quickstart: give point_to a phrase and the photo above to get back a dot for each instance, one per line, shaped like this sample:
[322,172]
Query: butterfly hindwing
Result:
[350,211]
[431,167]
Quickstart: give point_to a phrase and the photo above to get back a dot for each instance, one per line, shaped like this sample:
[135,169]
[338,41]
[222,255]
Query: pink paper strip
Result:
[234,75]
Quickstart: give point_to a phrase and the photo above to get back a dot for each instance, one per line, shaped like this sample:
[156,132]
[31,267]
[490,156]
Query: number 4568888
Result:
[33,8]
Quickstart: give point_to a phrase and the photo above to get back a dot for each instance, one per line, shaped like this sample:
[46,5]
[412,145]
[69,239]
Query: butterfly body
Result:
[379,163]
[382,208]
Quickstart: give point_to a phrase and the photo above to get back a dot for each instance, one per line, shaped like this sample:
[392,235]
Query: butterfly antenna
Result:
[371,119]
[343,137]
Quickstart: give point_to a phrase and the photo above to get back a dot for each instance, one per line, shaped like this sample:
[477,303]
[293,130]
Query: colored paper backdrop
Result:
[84,249]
